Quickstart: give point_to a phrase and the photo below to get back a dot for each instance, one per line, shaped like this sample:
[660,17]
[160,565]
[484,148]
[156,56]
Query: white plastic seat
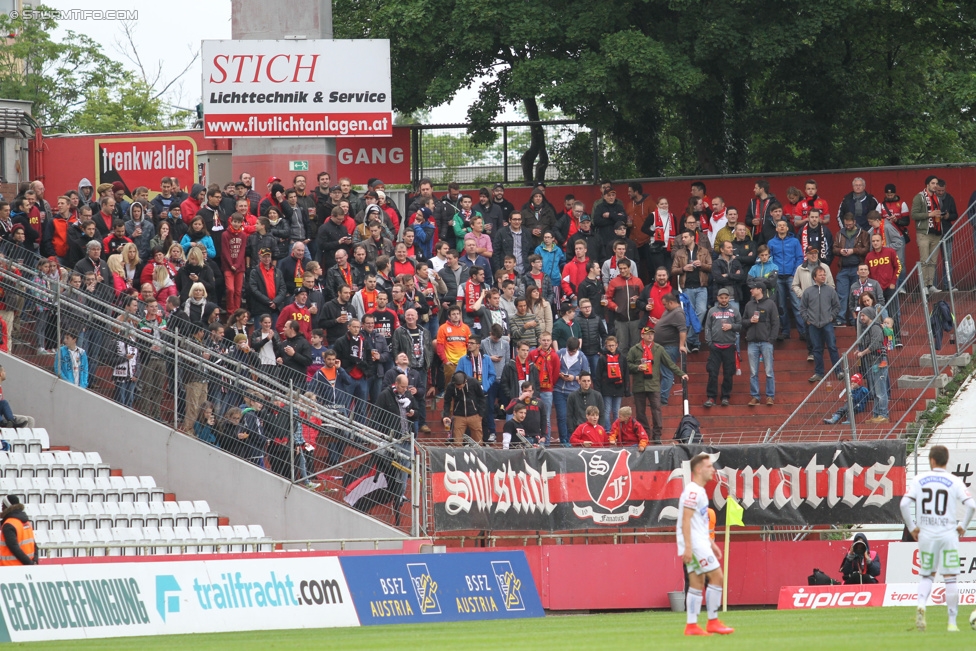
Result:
[55,537]
[61,466]
[75,491]
[104,535]
[32,460]
[72,537]
[112,509]
[140,512]
[127,492]
[166,535]
[89,512]
[150,537]
[104,485]
[80,462]
[181,541]
[88,537]
[87,486]
[41,434]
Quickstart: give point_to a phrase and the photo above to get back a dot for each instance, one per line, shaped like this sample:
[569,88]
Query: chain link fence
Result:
[193,378]
[930,338]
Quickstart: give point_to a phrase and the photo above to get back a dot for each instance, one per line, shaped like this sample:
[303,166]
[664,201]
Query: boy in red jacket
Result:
[589,434]
[233,252]
[627,431]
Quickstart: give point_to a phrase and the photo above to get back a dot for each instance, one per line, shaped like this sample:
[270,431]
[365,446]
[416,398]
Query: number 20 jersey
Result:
[937,495]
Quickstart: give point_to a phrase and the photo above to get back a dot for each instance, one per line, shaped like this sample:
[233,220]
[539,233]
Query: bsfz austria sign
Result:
[563,489]
[310,88]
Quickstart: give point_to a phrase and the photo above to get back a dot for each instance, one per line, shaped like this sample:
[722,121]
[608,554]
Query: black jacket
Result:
[860,564]
[593,290]
[592,333]
[343,346]
[607,387]
[604,225]
[576,405]
[767,328]
[329,320]
[327,240]
[388,400]
[504,244]
[466,400]
[511,388]
[258,292]
[301,359]
[85,265]
[183,282]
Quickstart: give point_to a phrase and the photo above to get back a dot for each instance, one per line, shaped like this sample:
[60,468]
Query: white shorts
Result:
[703,560]
[938,554]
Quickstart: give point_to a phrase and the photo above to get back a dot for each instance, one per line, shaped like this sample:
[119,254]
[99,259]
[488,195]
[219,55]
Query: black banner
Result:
[562,489]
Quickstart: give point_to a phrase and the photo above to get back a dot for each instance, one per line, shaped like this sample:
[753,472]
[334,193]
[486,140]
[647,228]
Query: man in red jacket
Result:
[233,250]
[884,267]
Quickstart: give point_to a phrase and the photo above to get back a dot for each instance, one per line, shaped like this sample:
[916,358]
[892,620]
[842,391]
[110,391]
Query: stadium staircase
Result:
[740,423]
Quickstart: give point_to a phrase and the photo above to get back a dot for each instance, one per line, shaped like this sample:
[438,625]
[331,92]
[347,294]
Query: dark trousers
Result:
[821,338]
[641,401]
[724,359]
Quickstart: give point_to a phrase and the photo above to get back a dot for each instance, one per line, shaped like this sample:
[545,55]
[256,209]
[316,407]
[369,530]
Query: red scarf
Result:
[522,370]
[543,364]
[648,358]
[476,365]
[932,200]
[659,227]
[716,218]
[613,368]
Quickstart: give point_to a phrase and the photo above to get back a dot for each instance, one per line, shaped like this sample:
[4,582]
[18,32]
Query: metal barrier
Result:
[205,386]
[446,153]
[916,367]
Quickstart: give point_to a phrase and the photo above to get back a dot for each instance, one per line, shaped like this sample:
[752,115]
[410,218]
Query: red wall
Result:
[617,577]
[737,191]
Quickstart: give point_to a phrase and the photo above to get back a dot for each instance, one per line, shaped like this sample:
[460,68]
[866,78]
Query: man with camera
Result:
[860,565]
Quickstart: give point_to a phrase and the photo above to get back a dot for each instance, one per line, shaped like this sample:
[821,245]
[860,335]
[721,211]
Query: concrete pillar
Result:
[265,157]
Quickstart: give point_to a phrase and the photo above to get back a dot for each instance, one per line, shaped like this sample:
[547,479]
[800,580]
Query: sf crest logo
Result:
[609,483]
[425,588]
[509,585]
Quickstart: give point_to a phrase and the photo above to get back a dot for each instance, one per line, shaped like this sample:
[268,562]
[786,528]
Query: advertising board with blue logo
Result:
[441,587]
[100,600]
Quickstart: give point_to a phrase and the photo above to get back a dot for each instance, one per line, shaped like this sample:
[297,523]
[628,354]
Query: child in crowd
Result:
[859,396]
[591,433]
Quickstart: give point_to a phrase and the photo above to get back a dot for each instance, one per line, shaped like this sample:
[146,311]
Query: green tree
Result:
[73,85]
[711,86]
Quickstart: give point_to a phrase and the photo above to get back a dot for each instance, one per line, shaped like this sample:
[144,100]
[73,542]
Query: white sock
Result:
[713,600]
[506,440]
[924,590]
[952,598]
[693,605]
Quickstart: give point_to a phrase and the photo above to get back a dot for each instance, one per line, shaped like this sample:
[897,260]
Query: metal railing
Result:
[200,385]
[917,368]
[446,153]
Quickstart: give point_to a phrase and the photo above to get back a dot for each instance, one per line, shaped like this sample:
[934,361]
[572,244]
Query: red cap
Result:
[272,179]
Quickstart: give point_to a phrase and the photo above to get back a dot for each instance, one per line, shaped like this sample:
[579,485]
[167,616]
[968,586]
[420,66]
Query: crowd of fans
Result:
[546,315]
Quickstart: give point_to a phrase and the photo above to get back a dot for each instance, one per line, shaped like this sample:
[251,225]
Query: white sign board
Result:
[903,565]
[309,88]
[61,602]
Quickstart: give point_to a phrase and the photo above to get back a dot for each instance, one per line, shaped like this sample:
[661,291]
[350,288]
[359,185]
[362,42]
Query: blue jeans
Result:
[765,349]
[819,338]
[125,392]
[611,407]
[359,389]
[559,400]
[789,306]
[879,386]
[545,400]
[699,300]
[846,277]
[6,411]
[667,377]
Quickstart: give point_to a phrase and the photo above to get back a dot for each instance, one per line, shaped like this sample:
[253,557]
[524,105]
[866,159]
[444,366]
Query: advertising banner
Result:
[442,587]
[55,602]
[564,489]
[903,565]
[143,161]
[387,159]
[865,596]
[296,88]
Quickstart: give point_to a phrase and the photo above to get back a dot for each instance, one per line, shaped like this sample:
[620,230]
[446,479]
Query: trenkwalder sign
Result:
[564,489]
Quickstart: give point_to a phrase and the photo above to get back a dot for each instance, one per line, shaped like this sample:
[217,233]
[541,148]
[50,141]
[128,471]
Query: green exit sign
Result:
[298,166]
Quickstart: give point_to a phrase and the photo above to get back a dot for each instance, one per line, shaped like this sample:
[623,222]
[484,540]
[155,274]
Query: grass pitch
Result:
[862,628]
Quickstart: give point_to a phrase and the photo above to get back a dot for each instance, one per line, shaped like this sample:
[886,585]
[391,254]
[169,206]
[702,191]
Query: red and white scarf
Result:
[664,223]
[648,358]
[932,201]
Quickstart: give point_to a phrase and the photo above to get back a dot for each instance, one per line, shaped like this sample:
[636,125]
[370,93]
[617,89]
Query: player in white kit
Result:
[936,495]
[701,555]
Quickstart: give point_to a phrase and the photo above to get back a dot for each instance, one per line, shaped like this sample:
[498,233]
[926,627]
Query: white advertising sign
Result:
[300,88]
[902,563]
[60,602]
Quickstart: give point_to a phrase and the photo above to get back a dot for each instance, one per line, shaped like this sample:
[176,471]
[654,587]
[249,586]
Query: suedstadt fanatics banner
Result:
[561,489]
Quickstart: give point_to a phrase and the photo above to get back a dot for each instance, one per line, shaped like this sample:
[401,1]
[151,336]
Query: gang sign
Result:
[609,483]
[144,161]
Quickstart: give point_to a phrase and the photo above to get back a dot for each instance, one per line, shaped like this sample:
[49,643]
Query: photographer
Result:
[860,565]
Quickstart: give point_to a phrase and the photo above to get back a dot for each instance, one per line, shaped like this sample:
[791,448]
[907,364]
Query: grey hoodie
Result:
[718,316]
[148,230]
[85,183]
[873,339]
